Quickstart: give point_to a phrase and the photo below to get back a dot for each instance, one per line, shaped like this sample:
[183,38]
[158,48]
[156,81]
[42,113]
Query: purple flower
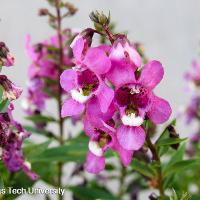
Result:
[85,82]
[6,59]
[35,100]
[114,95]
[124,59]
[11,144]
[194,77]
[136,101]
[101,129]
[10,91]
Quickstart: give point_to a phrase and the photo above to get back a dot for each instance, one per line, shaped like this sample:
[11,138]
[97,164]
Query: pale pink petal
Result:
[78,47]
[131,138]
[160,110]
[71,108]
[94,164]
[134,55]
[152,74]
[121,73]
[97,61]
[68,80]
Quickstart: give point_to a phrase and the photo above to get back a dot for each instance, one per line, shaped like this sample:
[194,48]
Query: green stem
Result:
[122,182]
[156,157]
[61,121]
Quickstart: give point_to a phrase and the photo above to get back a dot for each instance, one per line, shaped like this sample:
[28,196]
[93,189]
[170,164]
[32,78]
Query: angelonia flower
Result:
[193,78]
[192,110]
[113,92]
[44,72]
[12,134]
[10,90]
[6,59]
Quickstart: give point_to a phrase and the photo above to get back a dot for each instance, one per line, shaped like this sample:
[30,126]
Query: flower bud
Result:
[43,12]
[71,8]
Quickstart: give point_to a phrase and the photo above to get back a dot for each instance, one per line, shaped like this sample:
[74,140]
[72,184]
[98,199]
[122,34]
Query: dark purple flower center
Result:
[132,94]
[88,81]
[102,138]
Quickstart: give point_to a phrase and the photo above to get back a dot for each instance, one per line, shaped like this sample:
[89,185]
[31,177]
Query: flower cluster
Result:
[192,111]
[44,71]
[193,78]
[12,134]
[114,94]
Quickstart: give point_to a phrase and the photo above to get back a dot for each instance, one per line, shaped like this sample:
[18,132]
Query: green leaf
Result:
[177,156]
[90,193]
[34,150]
[74,150]
[169,141]
[39,131]
[165,133]
[40,119]
[3,105]
[143,168]
[179,166]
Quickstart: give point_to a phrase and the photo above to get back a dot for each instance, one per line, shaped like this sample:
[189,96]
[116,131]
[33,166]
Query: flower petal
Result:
[77,47]
[94,164]
[152,74]
[121,73]
[160,110]
[97,61]
[125,155]
[71,108]
[105,96]
[131,138]
[95,115]
[68,80]
[88,128]
[133,54]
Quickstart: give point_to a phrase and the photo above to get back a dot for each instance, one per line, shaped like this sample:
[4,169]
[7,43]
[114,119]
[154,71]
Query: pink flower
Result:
[125,60]
[100,128]
[136,101]
[82,86]
[114,95]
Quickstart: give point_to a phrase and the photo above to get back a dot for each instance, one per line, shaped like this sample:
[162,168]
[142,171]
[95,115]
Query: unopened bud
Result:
[100,18]
[71,8]
[43,12]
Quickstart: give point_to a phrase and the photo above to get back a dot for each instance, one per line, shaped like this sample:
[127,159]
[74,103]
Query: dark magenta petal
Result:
[160,110]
